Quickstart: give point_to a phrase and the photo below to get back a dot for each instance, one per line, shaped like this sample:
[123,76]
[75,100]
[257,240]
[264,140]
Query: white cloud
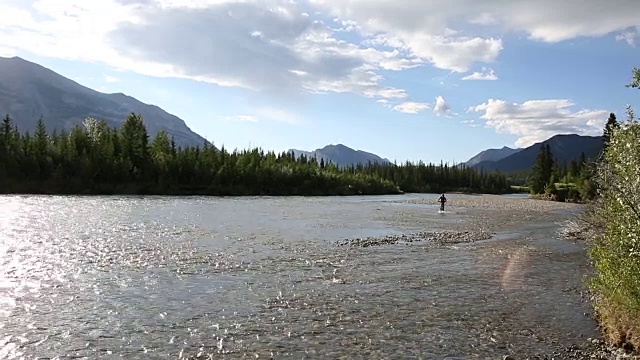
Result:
[266,113]
[538,120]
[279,115]
[6,52]
[411,107]
[441,108]
[484,18]
[485,74]
[471,122]
[246,118]
[269,46]
[447,52]
[432,30]
[110,79]
[631,37]
[277,48]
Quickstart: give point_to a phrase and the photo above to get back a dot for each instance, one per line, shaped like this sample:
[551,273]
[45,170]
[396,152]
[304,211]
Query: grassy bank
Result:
[518,189]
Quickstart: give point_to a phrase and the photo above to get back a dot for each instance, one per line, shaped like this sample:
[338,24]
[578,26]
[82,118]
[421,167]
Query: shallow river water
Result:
[197,277]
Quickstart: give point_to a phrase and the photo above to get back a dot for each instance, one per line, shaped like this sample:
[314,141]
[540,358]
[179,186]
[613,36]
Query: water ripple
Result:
[164,277]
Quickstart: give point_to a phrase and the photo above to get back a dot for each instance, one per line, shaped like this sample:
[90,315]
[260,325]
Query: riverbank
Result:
[528,231]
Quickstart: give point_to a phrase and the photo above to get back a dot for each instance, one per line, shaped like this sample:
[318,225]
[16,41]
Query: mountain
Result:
[491,155]
[29,90]
[341,155]
[564,148]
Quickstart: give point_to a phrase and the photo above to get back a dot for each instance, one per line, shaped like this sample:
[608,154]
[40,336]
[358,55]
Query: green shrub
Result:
[616,252]
[551,189]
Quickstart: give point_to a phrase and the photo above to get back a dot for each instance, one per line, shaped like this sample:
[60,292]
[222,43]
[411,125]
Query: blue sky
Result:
[407,80]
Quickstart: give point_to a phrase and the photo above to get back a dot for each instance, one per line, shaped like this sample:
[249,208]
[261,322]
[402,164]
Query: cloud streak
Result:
[631,37]
[411,107]
[243,118]
[538,120]
[280,115]
[485,74]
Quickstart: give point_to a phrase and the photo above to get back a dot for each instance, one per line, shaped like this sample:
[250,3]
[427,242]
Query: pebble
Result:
[438,238]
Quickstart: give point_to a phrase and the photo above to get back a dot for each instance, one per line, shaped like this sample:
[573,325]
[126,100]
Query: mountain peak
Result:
[564,147]
[342,155]
[491,155]
[12,58]
[337,146]
[28,90]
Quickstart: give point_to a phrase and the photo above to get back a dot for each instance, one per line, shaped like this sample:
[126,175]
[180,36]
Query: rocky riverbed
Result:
[433,238]
[510,221]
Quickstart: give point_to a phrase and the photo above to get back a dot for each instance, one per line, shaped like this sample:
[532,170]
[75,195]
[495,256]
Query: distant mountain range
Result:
[564,148]
[29,90]
[491,155]
[341,155]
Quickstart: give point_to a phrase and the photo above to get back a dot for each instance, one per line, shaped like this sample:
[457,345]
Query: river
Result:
[261,277]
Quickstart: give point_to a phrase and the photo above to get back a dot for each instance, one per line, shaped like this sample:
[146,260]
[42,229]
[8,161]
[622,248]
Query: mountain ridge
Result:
[491,155]
[341,155]
[564,148]
[29,90]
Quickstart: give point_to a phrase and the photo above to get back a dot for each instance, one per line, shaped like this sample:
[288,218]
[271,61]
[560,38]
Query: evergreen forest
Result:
[98,159]
[573,181]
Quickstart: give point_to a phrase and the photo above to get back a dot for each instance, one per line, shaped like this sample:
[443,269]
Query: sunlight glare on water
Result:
[9,214]
[170,277]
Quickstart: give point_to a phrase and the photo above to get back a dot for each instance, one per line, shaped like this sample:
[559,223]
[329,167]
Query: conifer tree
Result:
[611,124]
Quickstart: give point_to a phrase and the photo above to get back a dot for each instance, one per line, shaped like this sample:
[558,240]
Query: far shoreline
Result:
[191,194]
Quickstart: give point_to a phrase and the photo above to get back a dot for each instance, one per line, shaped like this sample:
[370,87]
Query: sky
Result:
[405,79]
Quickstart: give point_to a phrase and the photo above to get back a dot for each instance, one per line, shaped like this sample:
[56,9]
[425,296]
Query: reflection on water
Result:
[163,277]
[512,276]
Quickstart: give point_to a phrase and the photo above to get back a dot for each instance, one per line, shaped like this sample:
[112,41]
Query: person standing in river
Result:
[442,200]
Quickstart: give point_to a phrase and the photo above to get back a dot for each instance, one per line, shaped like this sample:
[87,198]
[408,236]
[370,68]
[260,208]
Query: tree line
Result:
[561,181]
[573,181]
[98,159]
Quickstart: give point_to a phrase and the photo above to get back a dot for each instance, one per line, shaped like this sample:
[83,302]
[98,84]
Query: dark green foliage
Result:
[611,223]
[635,79]
[518,178]
[542,170]
[576,177]
[98,159]
[611,124]
[431,178]
[616,250]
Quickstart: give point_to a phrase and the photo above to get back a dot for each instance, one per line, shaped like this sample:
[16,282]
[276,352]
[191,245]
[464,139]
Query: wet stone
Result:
[440,238]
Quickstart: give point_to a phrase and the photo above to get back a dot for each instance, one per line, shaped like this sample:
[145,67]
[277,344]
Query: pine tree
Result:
[542,171]
[549,163]
[135,142]
[96,158]
[611,124]
[635,82]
